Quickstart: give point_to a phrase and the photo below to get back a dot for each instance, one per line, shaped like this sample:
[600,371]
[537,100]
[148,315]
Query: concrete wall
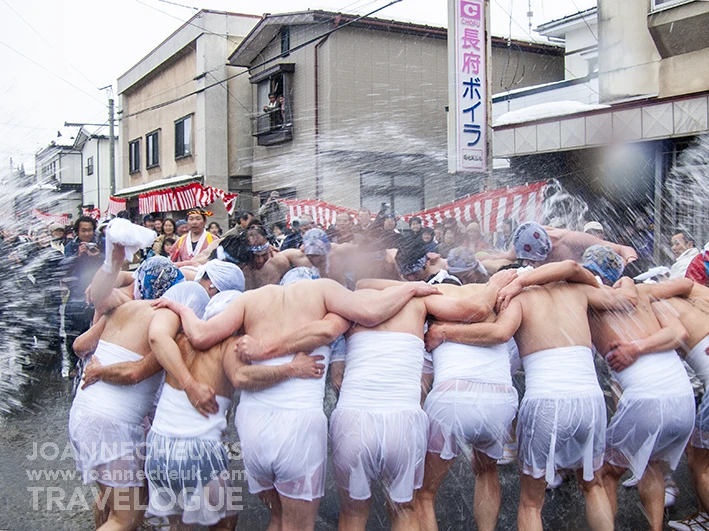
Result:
[579,43]
[173,81]
[97,187]
[629,63]
[521,68]
[239,107]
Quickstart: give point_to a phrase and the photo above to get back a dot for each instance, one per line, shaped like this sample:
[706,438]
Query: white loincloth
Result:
[562,418]
[283,434]
[378,429]
[699,361]
[105,424]
[655,413]
[187,465]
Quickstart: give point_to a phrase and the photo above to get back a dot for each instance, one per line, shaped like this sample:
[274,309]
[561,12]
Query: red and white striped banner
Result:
[322,213]
[184,198]
[62,219]
[115,205]
[521,203]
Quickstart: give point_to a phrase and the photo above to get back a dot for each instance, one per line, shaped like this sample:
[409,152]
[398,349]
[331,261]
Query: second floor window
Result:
[183,137]
[134,155]
[90,166]
[152,151]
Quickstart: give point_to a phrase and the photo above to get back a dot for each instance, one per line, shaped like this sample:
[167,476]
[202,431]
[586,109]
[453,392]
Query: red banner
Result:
[183,198]
[321,212]
[62,219]
[115,205]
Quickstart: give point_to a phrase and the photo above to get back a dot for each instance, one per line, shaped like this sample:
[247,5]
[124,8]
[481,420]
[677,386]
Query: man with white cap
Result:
[594,228]
[682,244]
[291,482]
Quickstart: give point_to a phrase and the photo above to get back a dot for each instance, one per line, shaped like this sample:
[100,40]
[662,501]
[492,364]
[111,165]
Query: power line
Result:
[178,5]
[51,46]
[585,22]
[268,61]
[49,71]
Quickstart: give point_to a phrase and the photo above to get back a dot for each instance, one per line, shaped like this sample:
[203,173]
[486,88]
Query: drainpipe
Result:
[318,184]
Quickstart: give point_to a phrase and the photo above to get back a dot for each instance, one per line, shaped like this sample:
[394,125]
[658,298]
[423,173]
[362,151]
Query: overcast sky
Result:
[56,54]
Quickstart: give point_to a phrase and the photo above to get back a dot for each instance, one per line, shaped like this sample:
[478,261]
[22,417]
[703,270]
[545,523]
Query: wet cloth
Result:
[283,434]
[154,277]
[219,303]
[187,465]
[562,418]
[223,275]
[133,237]
[316,241]
[378,429]
[531,242]
[472,400]
[699,361]
[105,424]
[603,261]
[655,413]
[190,294]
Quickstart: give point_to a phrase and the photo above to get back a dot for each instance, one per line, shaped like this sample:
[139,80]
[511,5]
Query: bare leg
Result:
[599,512]
[101,506]
[176,523]
[126,508]
[698,460]
[531,501]
[426,384]
[487,498]
[225,524]
[610,476]
[403,516]
[425,499]
[299,515]
[271,499]
[353,513]
[651,488]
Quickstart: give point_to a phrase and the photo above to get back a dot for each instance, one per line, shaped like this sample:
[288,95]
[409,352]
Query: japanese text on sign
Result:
[470,54]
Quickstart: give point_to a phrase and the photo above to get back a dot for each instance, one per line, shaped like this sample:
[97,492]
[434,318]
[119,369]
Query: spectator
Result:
[158,226]
[594,228]
[273,110]
[342,230]
[438,232]
[273,210]
[684,250]
[364,222]
[196,240]
[415,225]
[181,227]
[475,239]
[427,235]
[167,246]
[448,243]
[300,226]
[169,230]
[215,229]
[698,267]
[391,235]
[56,234]
[504,239]
[279,233]
[149,222]
[82,258]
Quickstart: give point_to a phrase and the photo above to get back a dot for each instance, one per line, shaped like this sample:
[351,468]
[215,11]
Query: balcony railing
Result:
[273,126]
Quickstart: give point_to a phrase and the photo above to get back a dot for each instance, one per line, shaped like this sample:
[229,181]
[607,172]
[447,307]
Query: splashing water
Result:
[561,209]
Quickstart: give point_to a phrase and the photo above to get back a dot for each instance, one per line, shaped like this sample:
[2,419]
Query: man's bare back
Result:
[127,326]
[205,366]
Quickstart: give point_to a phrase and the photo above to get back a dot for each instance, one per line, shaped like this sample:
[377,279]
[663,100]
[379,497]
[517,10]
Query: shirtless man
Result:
[186,459]
[548,321]
[290,414]
[655,414]
[267,266]
[533,243]
[105,415]
[693,313]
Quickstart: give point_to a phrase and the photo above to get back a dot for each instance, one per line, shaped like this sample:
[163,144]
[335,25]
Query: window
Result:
[152,150]
[285,40]
[183,137]
[90,166]
[662,4]
[272,122]
[134,155]
[403,192]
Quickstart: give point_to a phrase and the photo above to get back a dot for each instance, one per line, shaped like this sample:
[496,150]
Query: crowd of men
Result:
[420,349]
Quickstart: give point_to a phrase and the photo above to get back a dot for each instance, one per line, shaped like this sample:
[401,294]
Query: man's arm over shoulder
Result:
[624,295]
[125,373]
[87,342]
[679,287]
[258,377]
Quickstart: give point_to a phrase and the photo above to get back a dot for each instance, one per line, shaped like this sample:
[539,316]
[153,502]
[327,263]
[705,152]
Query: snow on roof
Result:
[546,110]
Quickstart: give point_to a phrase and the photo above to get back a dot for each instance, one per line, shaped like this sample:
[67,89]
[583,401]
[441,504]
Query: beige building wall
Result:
[523,68]
[239,107]
[629,63]
[684,74]
[170,82]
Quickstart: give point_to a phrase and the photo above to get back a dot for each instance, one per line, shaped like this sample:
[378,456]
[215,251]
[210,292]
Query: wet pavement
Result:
[28,484]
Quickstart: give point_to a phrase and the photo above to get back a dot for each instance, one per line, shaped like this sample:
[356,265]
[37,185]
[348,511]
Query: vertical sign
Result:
[469,43]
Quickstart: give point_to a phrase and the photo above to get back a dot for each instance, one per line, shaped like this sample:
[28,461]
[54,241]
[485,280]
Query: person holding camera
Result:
[82,258]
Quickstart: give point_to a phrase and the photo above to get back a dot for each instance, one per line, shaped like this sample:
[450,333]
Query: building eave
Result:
[560,27]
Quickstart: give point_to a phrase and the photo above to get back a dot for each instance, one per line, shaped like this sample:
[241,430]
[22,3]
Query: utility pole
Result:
[111,147]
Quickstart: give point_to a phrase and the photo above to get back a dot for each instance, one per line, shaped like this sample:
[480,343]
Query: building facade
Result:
[175,108]
[353,111]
